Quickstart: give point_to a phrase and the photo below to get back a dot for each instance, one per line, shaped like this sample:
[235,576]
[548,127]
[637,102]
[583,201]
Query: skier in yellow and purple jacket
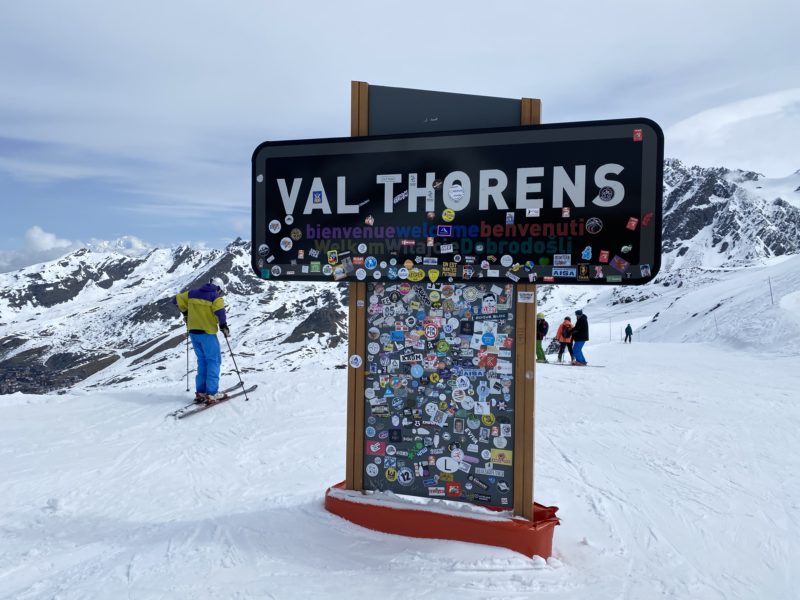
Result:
[204,312]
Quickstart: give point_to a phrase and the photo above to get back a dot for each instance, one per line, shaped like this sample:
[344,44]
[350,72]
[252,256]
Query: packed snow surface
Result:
[675,468]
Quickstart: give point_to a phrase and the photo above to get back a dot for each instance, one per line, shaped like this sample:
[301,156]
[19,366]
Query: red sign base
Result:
[526,537]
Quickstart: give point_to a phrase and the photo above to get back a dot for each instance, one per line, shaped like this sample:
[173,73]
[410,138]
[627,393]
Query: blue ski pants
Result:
[206,348]
[577,349]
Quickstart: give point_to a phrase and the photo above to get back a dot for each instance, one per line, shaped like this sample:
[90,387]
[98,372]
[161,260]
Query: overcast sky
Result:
[140,118]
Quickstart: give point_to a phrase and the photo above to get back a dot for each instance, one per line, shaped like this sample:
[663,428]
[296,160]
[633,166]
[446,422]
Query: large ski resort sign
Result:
[565,203]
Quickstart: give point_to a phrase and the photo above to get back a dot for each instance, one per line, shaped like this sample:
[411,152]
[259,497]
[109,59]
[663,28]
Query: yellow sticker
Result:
[443,405]
[391,474]
[415,275]
[448,214]
[488,420]
[434,378]
[502,457]
[433,275]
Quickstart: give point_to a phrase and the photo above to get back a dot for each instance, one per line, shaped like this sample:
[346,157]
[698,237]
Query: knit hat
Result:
[579,312]
[540,315]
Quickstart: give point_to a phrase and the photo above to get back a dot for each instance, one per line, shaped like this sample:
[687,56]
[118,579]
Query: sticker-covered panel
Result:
[439,391]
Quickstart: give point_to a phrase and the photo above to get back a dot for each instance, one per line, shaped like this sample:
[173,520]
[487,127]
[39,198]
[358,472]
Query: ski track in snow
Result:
[675,470]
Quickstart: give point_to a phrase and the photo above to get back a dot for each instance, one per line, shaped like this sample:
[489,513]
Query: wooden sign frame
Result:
[525,367]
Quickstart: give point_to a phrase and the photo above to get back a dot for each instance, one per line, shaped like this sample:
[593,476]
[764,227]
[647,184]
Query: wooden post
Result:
[357,294]
[525,384]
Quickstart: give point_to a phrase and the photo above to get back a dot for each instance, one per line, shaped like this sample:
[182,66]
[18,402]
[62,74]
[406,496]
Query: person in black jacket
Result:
[541,330]
[628,334]
[580,335]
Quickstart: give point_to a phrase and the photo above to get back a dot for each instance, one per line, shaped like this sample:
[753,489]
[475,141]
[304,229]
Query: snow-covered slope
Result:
[674,469]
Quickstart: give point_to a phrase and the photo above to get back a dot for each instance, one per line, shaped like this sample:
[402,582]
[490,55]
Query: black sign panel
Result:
[566,203]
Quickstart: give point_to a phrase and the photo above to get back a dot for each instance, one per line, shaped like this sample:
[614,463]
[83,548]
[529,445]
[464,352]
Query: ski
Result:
[175,413]
[557,364]
[201,407]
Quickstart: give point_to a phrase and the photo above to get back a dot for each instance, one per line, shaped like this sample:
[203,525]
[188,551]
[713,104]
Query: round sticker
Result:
[402,273]
[448,214]
[355,361]
[606,193]
[395,422]
[289,219]
[276,271]
[263,250]
[372,469]
[506,260]
[458,454]
[470,294]
[416,371]
[361,274]
[327,269]
[391,474]
[462,383]
[486,454]
[369,393]
[371,262]
[405,477]
[434,296]
[286,244]
[487,339]
[458,394]
[430,409]
[296,234]
[468,403]
[362,248]
[456,192]
[376,274]
[594,225]
[390,450]
[370,431]
[434,378]
[374,334]
[447,464]
[488,420]
[274,226]
[500,442]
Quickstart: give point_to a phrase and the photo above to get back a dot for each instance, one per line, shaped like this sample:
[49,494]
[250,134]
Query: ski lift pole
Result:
[235,366]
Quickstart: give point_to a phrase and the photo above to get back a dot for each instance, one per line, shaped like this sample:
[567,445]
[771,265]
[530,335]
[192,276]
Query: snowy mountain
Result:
[102,315]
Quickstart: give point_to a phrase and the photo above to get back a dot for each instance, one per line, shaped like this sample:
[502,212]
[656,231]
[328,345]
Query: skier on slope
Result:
[204,312]
[580,335]
[564,337]
[628,334]
[541,330]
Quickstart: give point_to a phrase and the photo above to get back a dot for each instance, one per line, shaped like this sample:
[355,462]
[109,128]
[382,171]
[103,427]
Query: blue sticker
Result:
[370,262]
[587,253]
[488,339]
[416,371]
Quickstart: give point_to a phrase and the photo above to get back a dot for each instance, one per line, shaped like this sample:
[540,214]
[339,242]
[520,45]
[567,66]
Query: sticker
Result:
[286,244]
[594,225]
[355,361]
[361,274]
[372,469]
[526,297]
[506,260]
[448,214]
[447,464]
[274,226]
[296,234]
[456,192]
[263,250]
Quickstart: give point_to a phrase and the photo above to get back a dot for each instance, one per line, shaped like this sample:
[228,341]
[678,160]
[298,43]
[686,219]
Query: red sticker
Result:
[376,448]
[632,223]
[646,219]
[637,135]
[604,254]
[453,488]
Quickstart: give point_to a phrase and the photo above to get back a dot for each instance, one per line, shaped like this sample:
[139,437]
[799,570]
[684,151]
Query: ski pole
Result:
[236,368]
[187,361]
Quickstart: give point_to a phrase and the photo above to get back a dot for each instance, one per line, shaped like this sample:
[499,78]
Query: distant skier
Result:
[564,338]
[628,334]
[541,330]
[580,335]
[204,312]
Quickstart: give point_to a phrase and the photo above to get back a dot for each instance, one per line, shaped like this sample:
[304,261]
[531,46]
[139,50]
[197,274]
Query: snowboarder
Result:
[628,334]
[203,310]
[541,330]
[580,335]
[564,337]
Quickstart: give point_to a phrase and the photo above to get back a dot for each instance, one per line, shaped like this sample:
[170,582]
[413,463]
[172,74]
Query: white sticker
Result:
[500,442]
[274,226]
[506,260]
[289,219]
[372,469]
[526,297]
[447,464]
[355,361]
[286,244]
[456,192]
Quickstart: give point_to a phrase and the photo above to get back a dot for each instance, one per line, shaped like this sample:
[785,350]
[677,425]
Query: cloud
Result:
[41,246]
[757,134]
